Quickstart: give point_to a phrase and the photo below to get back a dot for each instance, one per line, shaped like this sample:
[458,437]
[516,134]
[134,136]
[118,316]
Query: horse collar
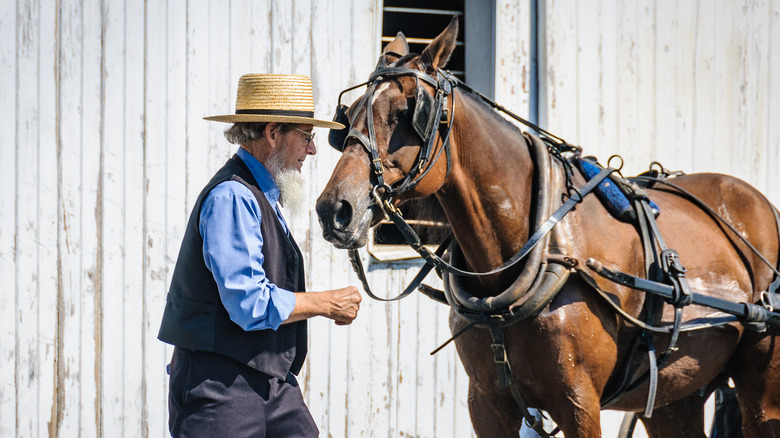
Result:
[546,267]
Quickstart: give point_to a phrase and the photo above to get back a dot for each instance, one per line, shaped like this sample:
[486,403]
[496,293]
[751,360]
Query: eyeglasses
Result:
[309,136]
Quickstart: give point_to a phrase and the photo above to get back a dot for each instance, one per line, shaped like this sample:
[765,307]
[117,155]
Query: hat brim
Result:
[252,118]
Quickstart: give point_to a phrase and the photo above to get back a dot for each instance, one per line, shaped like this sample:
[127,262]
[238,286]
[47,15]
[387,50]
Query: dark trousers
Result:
[211,395]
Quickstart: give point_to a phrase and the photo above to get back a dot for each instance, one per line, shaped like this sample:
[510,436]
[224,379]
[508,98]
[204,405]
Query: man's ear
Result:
[271,133]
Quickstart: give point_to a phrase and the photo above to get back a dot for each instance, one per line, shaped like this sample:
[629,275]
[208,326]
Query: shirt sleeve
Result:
[232,249]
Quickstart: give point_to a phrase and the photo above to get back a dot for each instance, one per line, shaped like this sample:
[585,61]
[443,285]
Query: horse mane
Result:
[479,100]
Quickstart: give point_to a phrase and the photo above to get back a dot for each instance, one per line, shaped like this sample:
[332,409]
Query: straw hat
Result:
[275,98]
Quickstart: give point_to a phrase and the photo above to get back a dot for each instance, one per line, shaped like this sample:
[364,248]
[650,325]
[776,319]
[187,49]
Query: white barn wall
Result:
[690,84]
[103,157]
[104,151]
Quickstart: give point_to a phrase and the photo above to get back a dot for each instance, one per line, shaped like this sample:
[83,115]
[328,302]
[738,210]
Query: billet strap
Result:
[506,379]
[651,391]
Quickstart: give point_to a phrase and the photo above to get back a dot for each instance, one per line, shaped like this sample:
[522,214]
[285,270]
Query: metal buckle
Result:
[378,168]
[499,353]
[445,117]
[382,203]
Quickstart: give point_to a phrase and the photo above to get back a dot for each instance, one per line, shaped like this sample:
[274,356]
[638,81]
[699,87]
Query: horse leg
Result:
[755,370]
[493,415]
[683,418]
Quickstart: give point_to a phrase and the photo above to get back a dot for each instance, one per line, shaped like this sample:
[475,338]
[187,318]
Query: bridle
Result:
[430,113]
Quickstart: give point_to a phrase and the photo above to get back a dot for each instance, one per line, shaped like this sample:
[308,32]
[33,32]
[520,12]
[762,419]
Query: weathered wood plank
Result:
[47,220]
[70,231]
[200,133]
[176,211]
[8,236]
[112,310]
[155,216]
[132,144]
[407,399]
[219,84]
[315,376]
[753,19]
[627,56]
[647,132]
[513,55]
[260,47]
[90,212]
[773,106]
[368,379]
[26,226]
[445,369]
[592,49]
[558,87]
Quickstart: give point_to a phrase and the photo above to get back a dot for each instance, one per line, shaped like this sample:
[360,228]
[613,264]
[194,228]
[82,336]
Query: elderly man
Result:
[236,310]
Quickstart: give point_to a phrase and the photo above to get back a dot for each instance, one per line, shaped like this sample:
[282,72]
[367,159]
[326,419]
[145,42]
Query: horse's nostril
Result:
[343,215]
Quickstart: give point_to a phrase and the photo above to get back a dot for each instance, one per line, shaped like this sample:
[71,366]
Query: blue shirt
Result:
[232,249]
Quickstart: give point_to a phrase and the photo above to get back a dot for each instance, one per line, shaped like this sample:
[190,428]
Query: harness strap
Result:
[413,240]
[691,197]
[357,266]
[506,380]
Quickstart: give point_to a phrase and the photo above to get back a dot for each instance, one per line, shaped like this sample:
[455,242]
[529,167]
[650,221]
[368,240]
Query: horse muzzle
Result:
[344,224]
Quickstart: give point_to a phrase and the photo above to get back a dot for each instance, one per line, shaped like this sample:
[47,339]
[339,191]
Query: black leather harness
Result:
[665,274]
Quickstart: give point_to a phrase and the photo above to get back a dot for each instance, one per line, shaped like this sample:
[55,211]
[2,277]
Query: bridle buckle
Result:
[378,167]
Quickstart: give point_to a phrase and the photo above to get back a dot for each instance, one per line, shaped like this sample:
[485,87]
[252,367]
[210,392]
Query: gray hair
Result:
[245,132]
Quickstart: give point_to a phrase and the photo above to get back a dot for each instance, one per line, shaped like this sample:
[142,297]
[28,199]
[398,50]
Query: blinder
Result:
[423,118]
[337,137]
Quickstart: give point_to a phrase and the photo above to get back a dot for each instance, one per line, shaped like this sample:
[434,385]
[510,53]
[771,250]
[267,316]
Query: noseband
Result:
[430,112]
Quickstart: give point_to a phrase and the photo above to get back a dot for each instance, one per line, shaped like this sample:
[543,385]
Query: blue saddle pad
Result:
[610,195]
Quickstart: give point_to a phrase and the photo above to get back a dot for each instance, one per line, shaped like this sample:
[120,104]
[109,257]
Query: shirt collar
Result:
[263,177]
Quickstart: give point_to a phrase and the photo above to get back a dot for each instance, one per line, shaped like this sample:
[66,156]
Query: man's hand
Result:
[340,305]
[344,304]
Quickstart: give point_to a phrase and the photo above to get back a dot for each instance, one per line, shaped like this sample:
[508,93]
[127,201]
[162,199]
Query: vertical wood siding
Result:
[691,84]
[103,151]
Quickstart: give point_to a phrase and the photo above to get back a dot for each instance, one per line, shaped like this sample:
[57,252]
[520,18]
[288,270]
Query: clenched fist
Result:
[343,304]
[340,305]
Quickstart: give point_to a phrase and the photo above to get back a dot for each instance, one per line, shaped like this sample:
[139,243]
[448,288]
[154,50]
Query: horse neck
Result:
[487,199]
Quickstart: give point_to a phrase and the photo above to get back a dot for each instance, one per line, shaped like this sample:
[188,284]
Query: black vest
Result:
[194,316]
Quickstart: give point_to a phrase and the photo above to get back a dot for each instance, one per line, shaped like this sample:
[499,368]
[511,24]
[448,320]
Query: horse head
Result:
[396,131]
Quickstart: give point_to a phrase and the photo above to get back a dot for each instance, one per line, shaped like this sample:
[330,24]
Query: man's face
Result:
[294,147]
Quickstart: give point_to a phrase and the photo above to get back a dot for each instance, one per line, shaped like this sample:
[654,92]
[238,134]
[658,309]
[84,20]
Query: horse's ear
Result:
[395,49]
[398,45]
[438,52]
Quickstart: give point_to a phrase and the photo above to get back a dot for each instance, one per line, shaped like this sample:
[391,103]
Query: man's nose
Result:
[311,148]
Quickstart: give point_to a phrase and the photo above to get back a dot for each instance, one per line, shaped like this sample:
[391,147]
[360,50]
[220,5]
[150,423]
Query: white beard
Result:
[291,187]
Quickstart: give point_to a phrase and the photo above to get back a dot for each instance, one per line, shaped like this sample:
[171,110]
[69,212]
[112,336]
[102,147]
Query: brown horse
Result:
[565,356]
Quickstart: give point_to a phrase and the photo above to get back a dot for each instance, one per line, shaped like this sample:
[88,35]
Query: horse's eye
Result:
[402,116]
